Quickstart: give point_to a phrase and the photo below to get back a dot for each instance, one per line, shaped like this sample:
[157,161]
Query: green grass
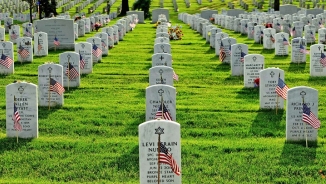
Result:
[226,138]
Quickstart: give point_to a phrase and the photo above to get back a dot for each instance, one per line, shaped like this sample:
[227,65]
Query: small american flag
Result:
[6,61]
[252,31]
[56,87]
[82,61]
[56,41]
[164,111]
[278,25]
[166,158]
[97,52]
[23,52]
[175,76]
[103,44]
[281,89]
[285,42]
[71,72]
[222,53]
[230,50]
[16,119]
[309,117]
[261,34]
[245,28]
[303,50]
[13,35]
[27,32]
[293,31]
[242,56]
[289,27]
[323,59]
[312,35]
[272,38]
[39,46]
[308,22]
[320,24]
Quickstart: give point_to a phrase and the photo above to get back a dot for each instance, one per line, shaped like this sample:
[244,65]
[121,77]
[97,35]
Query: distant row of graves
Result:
[23,98]
[302,105]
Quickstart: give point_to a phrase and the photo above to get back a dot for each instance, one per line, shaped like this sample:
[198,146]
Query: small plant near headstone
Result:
[175,33]
[97,26]
[256,82]
[212,20]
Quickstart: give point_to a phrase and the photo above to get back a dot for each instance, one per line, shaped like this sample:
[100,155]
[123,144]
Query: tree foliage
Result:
[47,8]
[144,6]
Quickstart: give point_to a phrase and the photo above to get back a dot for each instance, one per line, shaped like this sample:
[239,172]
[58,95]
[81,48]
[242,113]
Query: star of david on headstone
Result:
[159,130]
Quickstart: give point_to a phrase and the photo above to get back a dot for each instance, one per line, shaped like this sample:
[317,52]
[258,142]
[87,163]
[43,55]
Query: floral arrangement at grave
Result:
[212,20]
[175,33]
[97,26]
[256,82]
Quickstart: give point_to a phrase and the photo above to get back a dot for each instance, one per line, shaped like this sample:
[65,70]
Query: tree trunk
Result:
[124,8]
[276,5]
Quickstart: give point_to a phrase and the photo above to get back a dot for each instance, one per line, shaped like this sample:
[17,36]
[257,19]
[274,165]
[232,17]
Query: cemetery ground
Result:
[225,137]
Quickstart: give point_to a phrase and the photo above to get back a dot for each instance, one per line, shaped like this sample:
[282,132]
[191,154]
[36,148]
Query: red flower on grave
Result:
[97,26]
[256,82]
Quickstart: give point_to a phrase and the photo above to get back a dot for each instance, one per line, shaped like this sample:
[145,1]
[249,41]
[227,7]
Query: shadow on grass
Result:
[248,93]
[296,154]
[127,162]
[10,144]
[44,112]
[210,50]
[267,123]
[297,67]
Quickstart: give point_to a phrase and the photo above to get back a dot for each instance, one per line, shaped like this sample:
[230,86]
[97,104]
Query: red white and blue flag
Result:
[6,61]
[281,89]
[16,119]
[56,87]
[309,117]
[71,72]
[163,113]
[56,41]
[82,61]
[166,158]
[97,52]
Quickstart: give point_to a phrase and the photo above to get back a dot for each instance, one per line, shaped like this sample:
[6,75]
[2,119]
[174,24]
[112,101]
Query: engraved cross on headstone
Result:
[161,57]
[160,91]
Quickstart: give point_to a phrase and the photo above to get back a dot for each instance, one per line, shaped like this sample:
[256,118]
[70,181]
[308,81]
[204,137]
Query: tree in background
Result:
[32,4]
[47,8]
[124,8]
[144,6]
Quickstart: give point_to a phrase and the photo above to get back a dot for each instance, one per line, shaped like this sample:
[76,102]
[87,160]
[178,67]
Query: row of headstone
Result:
[252,68]
[160,136]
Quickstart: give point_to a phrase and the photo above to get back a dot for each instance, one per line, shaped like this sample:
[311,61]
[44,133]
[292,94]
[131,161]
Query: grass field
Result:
[226,138]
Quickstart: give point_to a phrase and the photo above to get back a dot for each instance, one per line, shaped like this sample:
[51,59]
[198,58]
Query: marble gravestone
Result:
[159,94]
[162,59]
[109,31]
[227,42]
[50,74]
[28,30]
[85,50]
[161,40]
[62,29]
[156,13]
[218,40]
[322,36]
[269,38]
[317,54]
[14,33]
[8,21]
[76,31]
[96,48]
[7,50]
[168,134]
[259,34]
[104,43]
[282,43]
[162,48]
[299,46]
[213,35]
[87,25]
[24,49]
[253,64]
[115,34]
[309,34]
[161,34]
[81,28]
[295,127]
[251,30]
[71,65]
[268,98]
[239,51]
[23,96]
[161,75]
[297,29]
[40,44]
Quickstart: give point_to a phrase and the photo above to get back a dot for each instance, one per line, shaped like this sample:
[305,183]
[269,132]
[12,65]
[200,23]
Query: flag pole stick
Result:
[162,106]
[305,127]
[279,75]
[14,121]
[158,160]
[68,72]
[49,101]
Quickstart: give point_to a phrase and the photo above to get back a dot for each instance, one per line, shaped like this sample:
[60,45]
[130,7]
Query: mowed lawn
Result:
[225,137]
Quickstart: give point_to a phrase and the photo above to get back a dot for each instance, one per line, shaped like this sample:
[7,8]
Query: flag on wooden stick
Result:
[309,117]
[166,158]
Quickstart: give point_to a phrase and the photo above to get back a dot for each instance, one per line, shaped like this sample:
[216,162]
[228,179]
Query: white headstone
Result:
[298,50]
[71,67]
[309,34]
[269,38]
[14,33]
[162,48]
[253,64]
[50,84]
[218,40]
[24,49]
[238,52]
[227,42]
[282,43]
[81,28]
[40,44]
[6,50]
[96,48]
[295,127]
[109,31]
[154,96]
[317,57]
[84,49]
[268,98]
[104,43]
[169,133]
[161,75]
[23,96]
[259,34]
[162,59]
